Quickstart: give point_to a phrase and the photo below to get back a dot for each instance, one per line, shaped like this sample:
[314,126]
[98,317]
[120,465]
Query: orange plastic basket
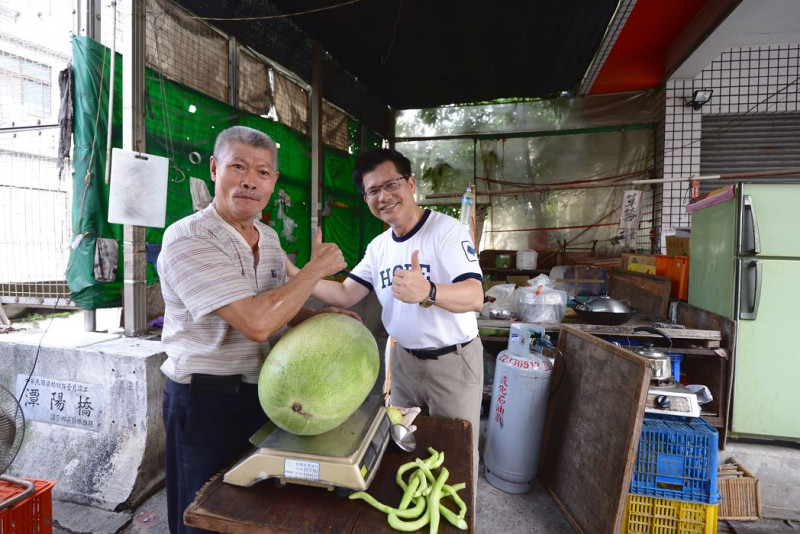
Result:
[33,514]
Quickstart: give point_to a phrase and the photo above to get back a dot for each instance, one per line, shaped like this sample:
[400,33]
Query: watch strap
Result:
[431,298]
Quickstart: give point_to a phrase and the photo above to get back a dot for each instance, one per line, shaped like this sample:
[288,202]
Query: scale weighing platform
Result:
[345,457]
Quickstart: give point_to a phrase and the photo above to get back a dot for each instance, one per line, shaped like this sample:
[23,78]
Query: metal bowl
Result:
[500,314]
[403,437]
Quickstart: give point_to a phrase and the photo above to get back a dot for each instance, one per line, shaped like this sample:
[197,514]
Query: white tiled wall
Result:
[745,81]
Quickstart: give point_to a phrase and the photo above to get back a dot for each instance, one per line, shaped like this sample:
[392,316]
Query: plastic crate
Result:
[677,268]
[33,514]
[666,516]
[677,458]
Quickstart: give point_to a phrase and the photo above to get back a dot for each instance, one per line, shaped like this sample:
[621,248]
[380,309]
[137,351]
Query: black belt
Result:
[223,384]
[433,354]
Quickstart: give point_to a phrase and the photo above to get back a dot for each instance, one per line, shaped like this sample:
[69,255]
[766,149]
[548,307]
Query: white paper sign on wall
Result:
[629,217]
[138,192]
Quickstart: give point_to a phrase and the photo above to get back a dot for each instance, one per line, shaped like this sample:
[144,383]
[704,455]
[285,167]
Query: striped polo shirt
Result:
[205,264]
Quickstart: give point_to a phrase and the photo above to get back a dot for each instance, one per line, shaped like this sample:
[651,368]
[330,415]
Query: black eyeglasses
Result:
[389,186]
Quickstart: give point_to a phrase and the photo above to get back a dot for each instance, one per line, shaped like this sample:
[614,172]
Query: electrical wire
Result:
[38,350]
[385,57]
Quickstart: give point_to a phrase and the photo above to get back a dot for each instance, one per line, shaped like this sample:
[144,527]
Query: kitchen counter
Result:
[265,508]
[499,330]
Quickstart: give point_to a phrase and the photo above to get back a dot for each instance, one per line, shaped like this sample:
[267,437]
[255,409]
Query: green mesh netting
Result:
[180,121]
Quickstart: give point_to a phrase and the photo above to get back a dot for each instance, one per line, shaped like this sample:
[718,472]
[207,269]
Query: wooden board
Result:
[264,508]
[646,293]
[593,426]
[716,374]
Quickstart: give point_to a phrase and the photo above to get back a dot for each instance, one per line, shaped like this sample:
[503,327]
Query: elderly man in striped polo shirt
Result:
[226,293]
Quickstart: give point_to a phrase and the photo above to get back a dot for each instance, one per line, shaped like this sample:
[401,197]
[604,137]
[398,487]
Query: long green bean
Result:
[451,490]
[408,526]
[413,484]
[426,491]
[408,513]
[454,520]
[433,499]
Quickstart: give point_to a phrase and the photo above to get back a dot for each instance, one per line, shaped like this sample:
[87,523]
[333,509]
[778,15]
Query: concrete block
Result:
[94,424]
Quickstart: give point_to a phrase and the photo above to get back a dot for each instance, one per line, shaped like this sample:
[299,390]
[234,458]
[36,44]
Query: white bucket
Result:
[526,259]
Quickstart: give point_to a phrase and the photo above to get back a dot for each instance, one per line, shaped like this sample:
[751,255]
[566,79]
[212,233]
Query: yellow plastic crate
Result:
[650,515]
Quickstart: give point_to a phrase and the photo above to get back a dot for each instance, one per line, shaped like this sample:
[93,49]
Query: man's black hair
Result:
[368,161]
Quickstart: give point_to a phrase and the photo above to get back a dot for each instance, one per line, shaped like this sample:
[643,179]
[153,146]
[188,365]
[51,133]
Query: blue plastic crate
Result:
[677,458]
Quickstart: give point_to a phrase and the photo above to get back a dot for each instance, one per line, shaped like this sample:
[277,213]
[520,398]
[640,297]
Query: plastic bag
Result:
[503,303]
[540,303]
[541,280]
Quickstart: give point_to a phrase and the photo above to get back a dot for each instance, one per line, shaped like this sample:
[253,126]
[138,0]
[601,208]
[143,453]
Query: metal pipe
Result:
[112,67]
[726,176]
[626,183]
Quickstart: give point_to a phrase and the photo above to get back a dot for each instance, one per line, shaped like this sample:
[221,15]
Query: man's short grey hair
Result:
[246,136]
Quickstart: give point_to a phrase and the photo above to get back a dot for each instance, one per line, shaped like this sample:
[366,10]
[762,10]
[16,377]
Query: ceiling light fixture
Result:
[700,97]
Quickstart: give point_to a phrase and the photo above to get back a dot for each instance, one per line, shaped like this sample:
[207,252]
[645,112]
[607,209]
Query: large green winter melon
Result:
[318,374]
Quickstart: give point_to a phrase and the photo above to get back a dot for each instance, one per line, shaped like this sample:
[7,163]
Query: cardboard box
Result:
[677,246]
[520,281]
[639,263]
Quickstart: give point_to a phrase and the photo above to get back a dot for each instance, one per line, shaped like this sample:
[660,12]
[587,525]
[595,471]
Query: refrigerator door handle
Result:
[750,289]
[750,238]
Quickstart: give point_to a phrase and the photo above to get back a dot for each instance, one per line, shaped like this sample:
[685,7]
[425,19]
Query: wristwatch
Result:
[431,298]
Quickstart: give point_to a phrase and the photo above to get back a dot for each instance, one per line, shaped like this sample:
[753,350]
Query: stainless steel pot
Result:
[657,358]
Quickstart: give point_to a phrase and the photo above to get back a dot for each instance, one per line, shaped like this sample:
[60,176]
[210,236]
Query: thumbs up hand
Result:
[326,257]
[410,285]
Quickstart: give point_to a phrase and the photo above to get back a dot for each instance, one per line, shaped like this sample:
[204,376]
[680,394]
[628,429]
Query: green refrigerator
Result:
[745,265]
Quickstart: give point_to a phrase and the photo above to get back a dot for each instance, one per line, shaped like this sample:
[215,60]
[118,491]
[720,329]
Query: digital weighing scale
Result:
[345,457]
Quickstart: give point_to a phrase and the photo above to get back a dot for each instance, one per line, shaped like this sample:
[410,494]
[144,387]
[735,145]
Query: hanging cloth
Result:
[106,257]
[65,120]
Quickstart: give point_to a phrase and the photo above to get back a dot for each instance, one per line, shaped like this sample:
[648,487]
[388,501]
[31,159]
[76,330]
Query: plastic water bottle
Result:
[467,205]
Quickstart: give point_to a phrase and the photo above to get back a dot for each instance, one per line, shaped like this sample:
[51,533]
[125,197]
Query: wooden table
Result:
[265,508]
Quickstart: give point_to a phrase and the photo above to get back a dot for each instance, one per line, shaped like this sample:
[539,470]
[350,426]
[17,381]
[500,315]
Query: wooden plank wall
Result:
[647,293]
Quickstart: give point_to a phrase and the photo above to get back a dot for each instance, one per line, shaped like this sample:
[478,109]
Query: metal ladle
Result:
[403,437]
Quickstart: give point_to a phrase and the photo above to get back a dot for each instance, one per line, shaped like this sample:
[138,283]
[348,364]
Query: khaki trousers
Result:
[450,386]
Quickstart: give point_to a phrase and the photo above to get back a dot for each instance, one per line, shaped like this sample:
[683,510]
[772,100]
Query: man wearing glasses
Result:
[425,273]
